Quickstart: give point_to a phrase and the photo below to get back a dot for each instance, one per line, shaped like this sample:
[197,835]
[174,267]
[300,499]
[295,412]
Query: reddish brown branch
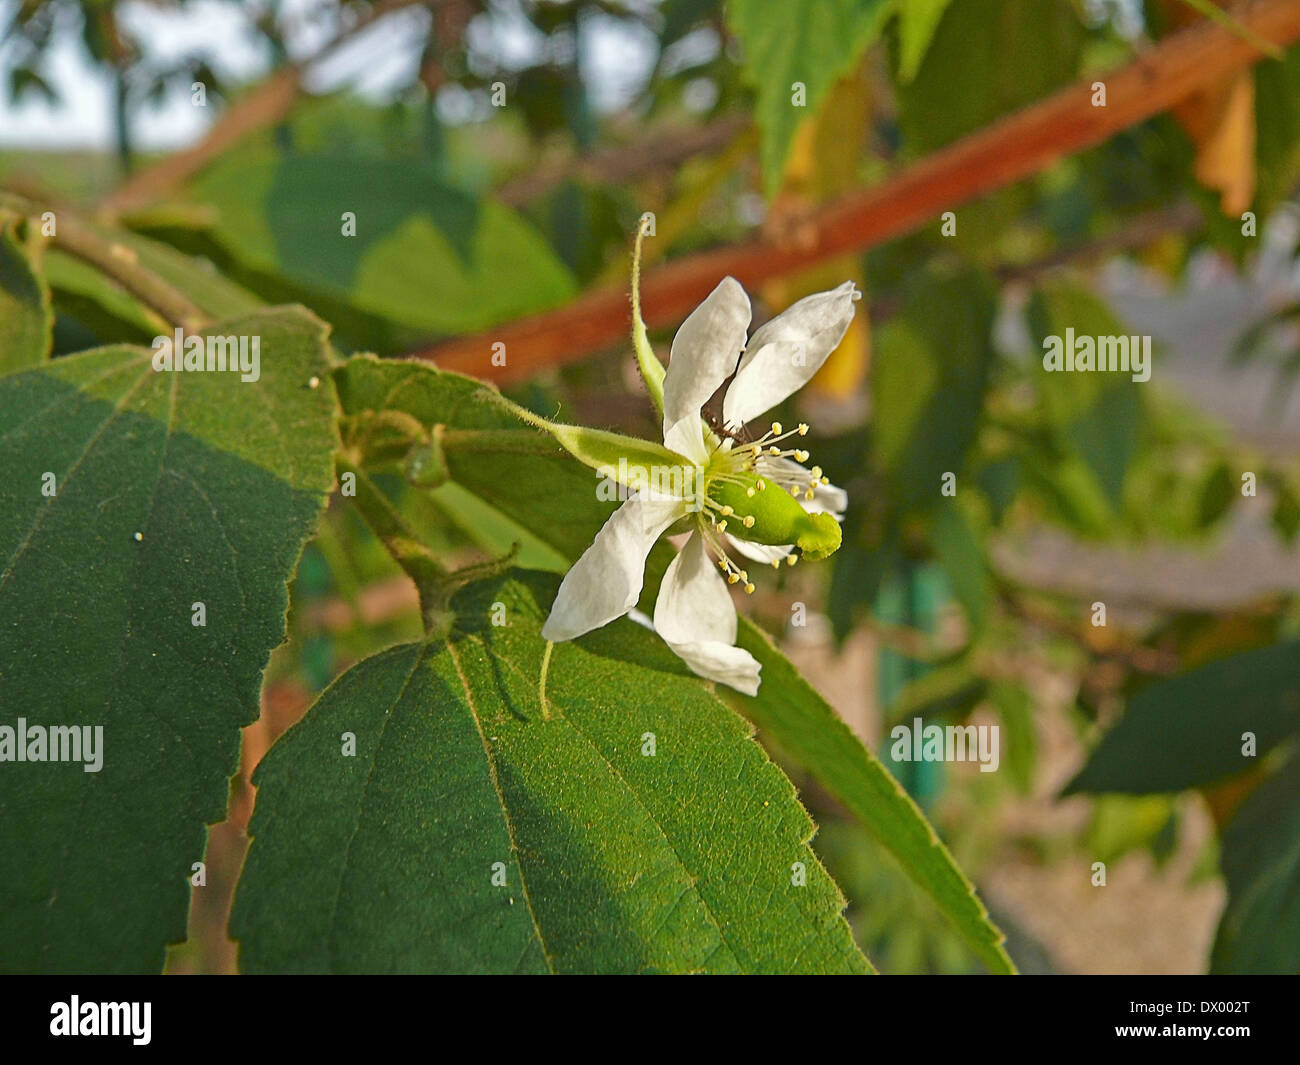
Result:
[1009,150]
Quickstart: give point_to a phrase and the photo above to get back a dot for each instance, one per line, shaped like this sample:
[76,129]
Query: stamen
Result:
[791,559]
[776,428]
[749,521]
[803,429]
[749,589]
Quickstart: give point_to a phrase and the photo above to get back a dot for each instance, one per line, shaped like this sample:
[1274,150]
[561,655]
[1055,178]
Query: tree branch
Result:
[1009,150]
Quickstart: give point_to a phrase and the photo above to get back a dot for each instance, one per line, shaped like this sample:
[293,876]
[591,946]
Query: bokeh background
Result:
[500,154]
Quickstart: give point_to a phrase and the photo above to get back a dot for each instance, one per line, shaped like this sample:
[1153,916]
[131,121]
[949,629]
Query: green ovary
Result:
[778,517]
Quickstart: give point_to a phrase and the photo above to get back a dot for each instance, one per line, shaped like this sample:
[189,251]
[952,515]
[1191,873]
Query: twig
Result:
[117,261]
[1009,150]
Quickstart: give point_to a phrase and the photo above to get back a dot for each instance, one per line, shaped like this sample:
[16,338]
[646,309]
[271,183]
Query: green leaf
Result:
[611,859]
[26,320]
[1015,712]
[985,59]
[960,551]
[425,255]
[1259,931]
[170,489]
[1187,731]
[1095,417]
[811,43]
[928,384]
[804,726]
[917,21]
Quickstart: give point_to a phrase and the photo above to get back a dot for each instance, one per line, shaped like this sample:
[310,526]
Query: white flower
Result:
[725,499]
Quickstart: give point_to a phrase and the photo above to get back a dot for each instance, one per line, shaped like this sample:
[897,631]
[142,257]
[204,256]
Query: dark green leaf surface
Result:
[172,489]
[26,319]
[1187,731]
[1260,928]
[613,860]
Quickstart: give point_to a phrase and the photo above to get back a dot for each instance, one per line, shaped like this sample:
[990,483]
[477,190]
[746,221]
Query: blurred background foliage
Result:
[499,175]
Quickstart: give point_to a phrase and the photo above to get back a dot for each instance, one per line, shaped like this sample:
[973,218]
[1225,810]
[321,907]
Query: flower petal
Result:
[783,354]
[704,354]
[697,619]
[733,666]
[606,581]
[759,552]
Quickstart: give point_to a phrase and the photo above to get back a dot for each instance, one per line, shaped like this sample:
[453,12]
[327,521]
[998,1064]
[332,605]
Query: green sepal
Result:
[628,460]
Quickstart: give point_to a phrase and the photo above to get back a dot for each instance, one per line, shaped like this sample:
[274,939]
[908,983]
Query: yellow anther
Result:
[803,429]
[732,578]
[749,589]
[825,480]
[776,428]
[722,564]
[808,494]
[749,492]
[776,563]
[749,521]
[816,472]
[762,485]
[801,456]
[791,559]
[722,525]
[774,450]
[794,490]
[727,512]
